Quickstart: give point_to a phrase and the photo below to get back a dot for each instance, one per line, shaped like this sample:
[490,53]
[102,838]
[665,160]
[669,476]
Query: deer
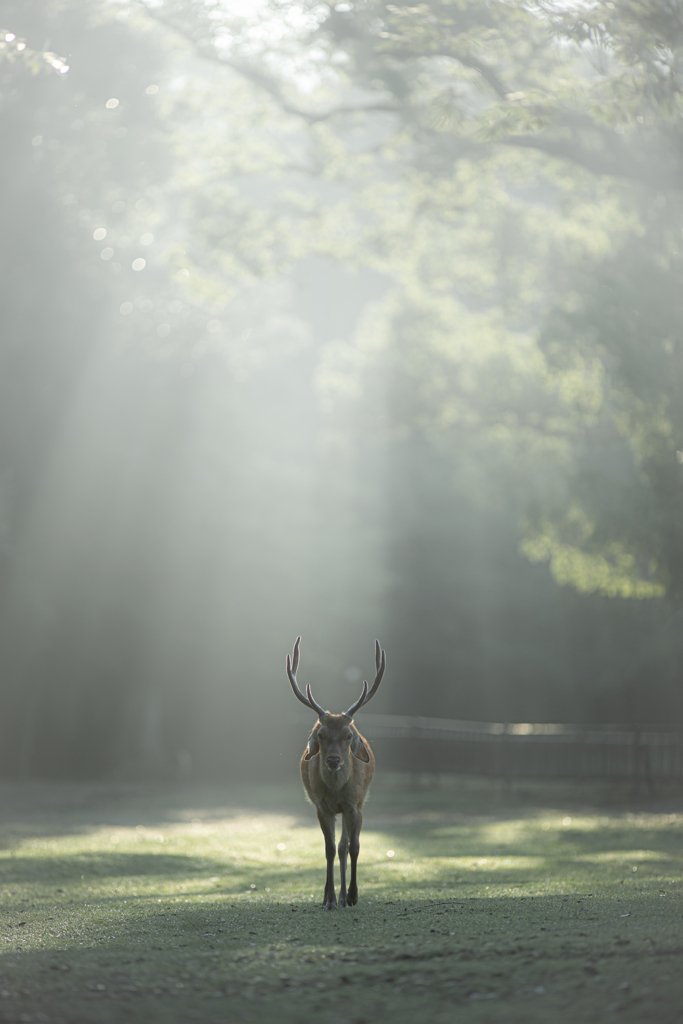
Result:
[337,766]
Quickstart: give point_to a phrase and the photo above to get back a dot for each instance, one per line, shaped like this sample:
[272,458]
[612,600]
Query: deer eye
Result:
[322,736]
[348,735]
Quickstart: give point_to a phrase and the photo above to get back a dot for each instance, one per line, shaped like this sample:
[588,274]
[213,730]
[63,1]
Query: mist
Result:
[313,330]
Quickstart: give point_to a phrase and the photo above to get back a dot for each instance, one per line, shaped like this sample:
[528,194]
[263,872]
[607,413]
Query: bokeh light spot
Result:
[139,264]
[147,238]
[99,233]
[107,253]
[152,90]
[126,308]
[111,104]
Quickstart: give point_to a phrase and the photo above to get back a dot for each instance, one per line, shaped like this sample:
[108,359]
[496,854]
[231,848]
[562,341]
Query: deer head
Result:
[335,737]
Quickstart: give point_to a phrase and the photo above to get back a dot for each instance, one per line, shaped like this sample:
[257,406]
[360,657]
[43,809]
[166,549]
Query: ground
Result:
[477,903]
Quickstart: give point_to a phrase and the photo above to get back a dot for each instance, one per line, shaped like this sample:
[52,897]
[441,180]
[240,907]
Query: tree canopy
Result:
[327,312]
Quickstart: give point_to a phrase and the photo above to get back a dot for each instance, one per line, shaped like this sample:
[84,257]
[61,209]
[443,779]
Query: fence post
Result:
[504,759]
[641,765]
[649,780]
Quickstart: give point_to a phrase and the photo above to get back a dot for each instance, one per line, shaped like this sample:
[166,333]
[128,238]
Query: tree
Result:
[590,92]
[169,519]
[611,104]
[370,336]
[515,158]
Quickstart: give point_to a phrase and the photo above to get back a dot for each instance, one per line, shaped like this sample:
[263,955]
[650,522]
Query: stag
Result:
[336,769]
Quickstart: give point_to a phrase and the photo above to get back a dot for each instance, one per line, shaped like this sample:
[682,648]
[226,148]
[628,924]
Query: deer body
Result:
[336,769]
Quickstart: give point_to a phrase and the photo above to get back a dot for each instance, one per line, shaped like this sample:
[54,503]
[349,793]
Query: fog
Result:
[311,327]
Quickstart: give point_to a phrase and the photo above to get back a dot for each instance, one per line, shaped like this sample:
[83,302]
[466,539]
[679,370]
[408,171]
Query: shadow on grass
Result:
[94,867]
[35,810]
[207,876]
[38,810]
[491,840]
[382,921]
[218,879]
[432,928]
[155,957]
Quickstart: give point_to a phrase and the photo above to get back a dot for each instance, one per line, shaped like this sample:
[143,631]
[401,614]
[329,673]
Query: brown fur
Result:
[338,788]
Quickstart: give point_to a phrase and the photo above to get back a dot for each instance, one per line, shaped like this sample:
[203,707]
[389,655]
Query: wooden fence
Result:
[648,755]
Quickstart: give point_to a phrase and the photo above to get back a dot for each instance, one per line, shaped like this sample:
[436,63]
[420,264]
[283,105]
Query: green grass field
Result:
[149,904]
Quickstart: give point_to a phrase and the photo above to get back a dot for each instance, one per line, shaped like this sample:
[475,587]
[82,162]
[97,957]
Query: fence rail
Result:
[649,754]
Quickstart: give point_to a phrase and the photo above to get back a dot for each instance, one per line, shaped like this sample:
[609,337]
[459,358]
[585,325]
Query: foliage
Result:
[629,316]
[155,479]
[465,80]
[337,302]
[508,145]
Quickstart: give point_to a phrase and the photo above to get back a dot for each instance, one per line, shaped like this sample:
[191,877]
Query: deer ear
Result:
[313,747]
[358,748]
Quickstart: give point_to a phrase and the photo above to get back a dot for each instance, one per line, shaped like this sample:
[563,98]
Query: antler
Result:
[292,666]
[380,664]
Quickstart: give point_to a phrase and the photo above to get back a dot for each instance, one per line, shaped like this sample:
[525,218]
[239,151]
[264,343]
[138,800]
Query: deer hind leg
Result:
[353,820]
[328,830]
[343,850]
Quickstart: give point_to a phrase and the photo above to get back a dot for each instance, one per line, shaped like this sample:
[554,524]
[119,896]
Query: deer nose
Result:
[333,760]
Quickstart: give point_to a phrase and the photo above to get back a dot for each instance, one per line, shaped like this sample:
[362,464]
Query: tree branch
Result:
[617,162]
[487,73]
[262,79]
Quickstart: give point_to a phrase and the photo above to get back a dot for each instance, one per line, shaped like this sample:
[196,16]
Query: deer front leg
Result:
[327,826]
[343,851]
[353,820]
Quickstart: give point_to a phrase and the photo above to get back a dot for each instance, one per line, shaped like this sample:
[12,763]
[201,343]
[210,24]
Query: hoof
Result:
[352,899]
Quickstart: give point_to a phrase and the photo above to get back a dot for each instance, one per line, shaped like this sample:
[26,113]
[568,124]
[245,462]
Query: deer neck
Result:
[335,778]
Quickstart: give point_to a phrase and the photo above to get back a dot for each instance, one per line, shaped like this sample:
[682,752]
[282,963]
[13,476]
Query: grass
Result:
[144,904]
